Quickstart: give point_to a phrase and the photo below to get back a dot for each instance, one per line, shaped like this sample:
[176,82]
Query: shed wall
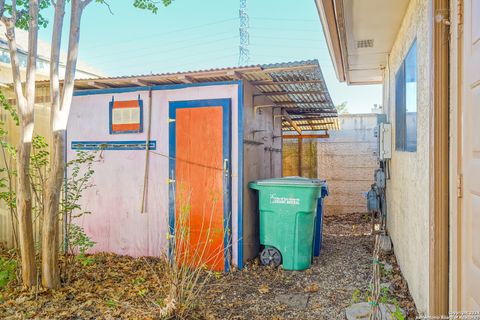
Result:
[263,159]
[116,224]
[408,188]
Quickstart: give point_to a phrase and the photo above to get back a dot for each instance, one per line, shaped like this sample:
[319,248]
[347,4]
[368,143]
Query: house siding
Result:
[42,123]
[409,184]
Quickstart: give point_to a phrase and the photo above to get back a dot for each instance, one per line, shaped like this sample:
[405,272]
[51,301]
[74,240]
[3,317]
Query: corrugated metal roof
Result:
[300,88]
[297,87]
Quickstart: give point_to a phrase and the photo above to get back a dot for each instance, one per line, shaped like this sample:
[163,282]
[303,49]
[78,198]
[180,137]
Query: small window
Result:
[406,103]
[126,116]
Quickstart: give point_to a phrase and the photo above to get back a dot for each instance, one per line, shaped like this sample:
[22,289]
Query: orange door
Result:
[201,148]
[469,260]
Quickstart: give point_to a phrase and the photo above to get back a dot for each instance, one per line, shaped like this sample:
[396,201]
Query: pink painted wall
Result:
[116,224]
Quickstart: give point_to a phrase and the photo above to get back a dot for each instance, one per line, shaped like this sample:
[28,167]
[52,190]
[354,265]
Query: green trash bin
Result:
[287,220]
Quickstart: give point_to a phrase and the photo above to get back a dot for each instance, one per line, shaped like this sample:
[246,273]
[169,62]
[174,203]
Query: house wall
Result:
[116,223]
[262,159]
[347,160]
[42,123]
[408,187]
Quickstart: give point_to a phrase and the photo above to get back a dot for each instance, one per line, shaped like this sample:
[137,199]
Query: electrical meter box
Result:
[385,141]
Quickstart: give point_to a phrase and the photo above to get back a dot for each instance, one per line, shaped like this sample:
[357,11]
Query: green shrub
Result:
[80,242]
[7,271]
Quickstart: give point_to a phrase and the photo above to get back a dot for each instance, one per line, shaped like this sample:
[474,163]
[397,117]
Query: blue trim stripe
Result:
[227,187]
[227,223]
[240,176]
[153,88]
[110,116]
[113,145]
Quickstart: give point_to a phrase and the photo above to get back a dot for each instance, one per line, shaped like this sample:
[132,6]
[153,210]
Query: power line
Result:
[287,29]
[288,39]
[165,44]
[205,60]
[284,19]
[135,55]
[266,45]
[108,57]
[290,57]
[159,34]
[173,67]
[187,58]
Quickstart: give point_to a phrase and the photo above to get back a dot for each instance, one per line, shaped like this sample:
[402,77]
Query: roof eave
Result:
[326,12]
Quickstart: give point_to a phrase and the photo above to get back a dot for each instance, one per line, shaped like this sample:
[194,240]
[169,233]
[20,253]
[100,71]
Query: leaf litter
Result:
[121,287]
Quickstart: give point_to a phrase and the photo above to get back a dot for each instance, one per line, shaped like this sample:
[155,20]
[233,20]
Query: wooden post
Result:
[300,151]
[439,219]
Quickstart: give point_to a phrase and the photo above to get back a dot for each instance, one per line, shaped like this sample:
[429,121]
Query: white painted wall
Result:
[408,188]
[116,224]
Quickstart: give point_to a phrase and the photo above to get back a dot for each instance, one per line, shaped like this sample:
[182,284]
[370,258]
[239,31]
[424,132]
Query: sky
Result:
[204,34]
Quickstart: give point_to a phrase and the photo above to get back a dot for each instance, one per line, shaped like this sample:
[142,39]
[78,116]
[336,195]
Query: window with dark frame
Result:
[126,116]
[406,102]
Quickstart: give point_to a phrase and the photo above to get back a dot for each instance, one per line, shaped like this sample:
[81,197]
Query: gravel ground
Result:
[321,292]
[119,287]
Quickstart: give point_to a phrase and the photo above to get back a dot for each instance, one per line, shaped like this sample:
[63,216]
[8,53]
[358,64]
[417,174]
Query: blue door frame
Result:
[227,194]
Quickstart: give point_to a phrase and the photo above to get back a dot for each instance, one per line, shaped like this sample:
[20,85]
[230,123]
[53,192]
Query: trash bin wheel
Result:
[270,256]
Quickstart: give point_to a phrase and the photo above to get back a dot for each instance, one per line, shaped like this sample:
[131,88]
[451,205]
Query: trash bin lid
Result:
[290,181]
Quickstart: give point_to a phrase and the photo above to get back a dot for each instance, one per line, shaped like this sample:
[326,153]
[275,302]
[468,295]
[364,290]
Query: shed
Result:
[191,140]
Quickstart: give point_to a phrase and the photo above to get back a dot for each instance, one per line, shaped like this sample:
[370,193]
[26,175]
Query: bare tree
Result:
[25,108]
[60,109]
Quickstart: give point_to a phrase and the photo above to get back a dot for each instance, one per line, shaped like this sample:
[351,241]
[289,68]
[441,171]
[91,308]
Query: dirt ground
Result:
[115,287]
[322,292]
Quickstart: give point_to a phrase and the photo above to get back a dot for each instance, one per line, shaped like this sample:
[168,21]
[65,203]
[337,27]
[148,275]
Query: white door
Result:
[470,220]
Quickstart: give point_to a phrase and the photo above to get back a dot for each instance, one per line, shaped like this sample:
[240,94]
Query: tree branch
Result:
[19,14]
[108,7]
[2,8]
[60,123]
[14,11]
[32,54]
[84,3]
[55,59]
[17,80]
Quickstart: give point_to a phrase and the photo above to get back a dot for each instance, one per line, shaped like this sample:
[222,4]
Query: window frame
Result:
[401,134]
[110,124]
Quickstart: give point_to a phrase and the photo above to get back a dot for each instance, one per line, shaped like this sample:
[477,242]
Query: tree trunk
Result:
[50,236]
[25,107]
[59,117]
[24,209]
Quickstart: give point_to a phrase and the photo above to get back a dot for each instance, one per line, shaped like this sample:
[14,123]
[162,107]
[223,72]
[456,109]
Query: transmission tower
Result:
[244,55]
